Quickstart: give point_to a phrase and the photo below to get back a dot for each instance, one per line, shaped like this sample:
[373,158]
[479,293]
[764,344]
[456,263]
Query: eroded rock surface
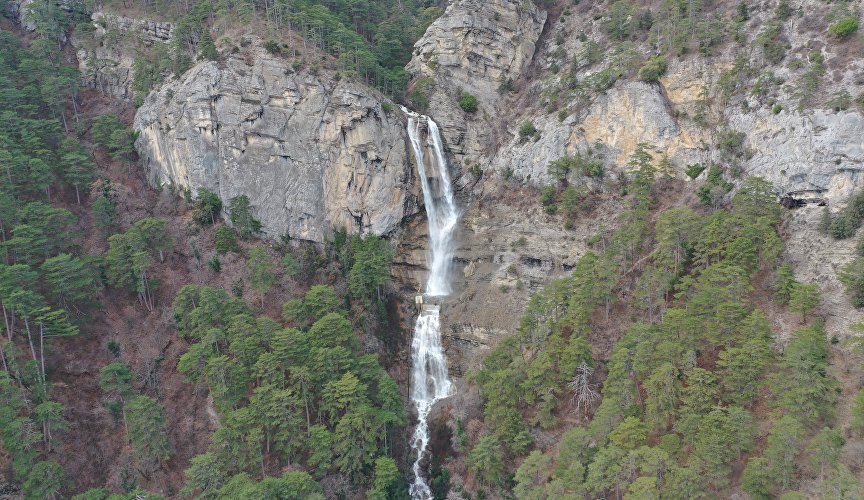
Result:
[475,47]
[105,56]
[310,152]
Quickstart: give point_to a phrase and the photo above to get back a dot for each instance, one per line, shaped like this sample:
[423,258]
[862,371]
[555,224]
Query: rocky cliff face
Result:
[510,247]
[105,62]
[310,152]
[475,47]
[313,153]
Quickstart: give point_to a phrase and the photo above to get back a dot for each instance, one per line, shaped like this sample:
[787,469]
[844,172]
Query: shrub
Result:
[272,46]
[547,196]
[840,100]
[214,264]
[506,86]
[226,240]
[776,109]
[421,92]
[386,107]
[468,102]
[653,69]
[844,27]
[527,129]
[731,142]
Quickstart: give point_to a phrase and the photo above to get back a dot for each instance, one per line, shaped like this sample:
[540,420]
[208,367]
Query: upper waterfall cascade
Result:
[429,380]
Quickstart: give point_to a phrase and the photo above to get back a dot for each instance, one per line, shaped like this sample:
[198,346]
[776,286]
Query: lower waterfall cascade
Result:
[429,380]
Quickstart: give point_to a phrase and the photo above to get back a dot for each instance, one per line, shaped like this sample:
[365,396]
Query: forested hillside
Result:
[77,251]
[658,271]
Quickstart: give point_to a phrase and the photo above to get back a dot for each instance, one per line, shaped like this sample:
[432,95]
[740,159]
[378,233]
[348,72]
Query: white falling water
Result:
[429,381]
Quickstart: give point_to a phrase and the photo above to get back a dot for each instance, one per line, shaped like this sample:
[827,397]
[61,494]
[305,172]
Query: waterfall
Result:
[429,381]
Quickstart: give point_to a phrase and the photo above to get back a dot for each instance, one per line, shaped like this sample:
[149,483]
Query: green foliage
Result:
[653,69]
[226,240]
[206,47]
[45,481]
[386,479]
[694,170]
[273,47]
[207,208]
[319,301]
[204,477]
[74,282]
[852,276]
[803,387]
[770,39]
[578,164]
[242,218]
[486,462]
[78,165]
[547,199]
[150,68]
[370,270]
[783,445]
[261,270]
[268,382]
[147,435]
[130,257]
[112,134]
[527,129]
[619,23]
[421,92]
[104,213]
[468,102]
[857,412]
[805,298]
[844,27]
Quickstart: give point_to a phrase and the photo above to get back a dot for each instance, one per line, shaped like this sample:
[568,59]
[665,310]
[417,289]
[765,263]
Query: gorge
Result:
[452,249]
[429,380]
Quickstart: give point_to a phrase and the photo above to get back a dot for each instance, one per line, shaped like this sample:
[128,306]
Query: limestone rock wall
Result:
[310,152]
[106,58]
[475,47]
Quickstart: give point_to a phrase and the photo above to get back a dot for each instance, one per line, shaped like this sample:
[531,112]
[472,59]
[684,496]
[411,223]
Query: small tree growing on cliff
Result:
[206,47]
[804,298]
[208,206]
[242,219]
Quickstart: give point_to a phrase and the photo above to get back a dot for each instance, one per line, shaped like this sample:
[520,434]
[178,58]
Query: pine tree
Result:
[261,274]
[77,166]
[44,482]
[204,477]
[242,218]
[804,298]
[486,461]
[206,46]
[146,432]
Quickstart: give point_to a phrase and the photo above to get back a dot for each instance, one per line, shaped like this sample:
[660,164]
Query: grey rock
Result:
[311,153]
[473,47]
[107,62]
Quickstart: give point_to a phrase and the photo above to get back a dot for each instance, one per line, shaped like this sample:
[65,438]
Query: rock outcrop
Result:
[475,47]
[311,153]
[104,58]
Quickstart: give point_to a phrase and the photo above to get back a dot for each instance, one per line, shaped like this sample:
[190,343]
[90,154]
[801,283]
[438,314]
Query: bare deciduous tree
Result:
[584,394]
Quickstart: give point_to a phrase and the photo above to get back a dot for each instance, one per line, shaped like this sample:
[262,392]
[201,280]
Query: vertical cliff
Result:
[312,152]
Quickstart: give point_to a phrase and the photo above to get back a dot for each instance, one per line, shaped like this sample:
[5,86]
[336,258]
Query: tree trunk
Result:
[3,357]
[42,348]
